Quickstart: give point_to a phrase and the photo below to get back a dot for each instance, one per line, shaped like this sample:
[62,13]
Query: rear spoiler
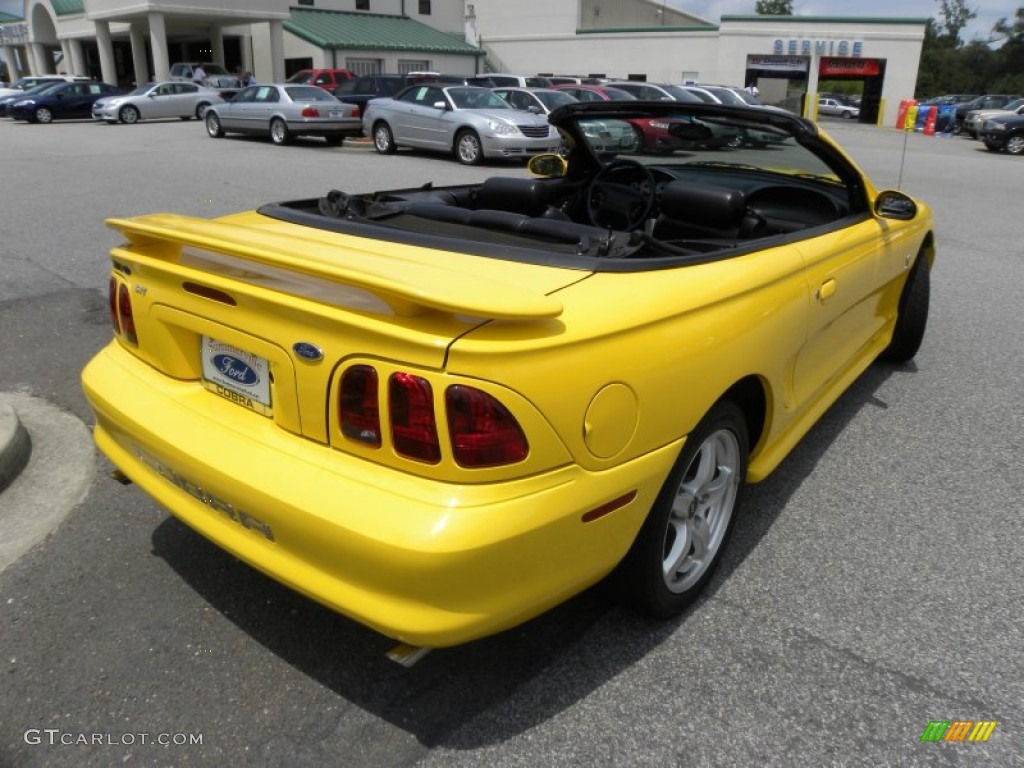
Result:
[410,288]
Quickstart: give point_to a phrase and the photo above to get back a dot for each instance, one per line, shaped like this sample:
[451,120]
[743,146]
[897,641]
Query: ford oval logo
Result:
[308,351]
[236,370]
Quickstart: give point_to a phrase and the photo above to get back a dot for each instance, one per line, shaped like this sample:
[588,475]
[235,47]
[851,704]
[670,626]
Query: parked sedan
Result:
[468,121]
[836,108]
[64,101]
[1004,134]
[6,102]
[611,135]
[157,100]
[283,112]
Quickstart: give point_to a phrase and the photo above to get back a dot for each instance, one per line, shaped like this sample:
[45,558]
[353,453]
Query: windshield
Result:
[476,98]
[552,99]
[215,69]
[714,142]
[303,76]
[141,90]
[681,94]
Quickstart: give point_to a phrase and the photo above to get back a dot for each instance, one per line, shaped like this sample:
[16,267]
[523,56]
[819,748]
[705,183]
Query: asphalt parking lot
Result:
[873,584]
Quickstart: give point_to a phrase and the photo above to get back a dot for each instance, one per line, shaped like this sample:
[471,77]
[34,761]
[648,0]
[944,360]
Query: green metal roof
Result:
[6,18]
[66,7]
[827,19]
[372,32]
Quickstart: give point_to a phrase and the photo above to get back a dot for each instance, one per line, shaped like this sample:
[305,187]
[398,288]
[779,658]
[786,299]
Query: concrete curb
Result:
[15,444]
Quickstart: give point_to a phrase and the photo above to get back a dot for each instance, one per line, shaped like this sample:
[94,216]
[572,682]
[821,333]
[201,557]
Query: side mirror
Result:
[895,205]
[548,166]
[533,109]
[440,105]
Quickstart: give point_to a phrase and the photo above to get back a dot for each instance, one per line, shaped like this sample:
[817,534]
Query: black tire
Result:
[668,565]
[201,108]
[279,133]
[128,115]
[213,126]
[383,139]
[913,314]
[334,141]
[1015,144]
[42,115]
[468,149]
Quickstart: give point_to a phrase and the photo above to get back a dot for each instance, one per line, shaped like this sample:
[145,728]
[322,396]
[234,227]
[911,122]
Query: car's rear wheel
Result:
[913,314]
[686,531]
[383,139]
[213,126]
[43,115]
[279,133]
[468,149]
[129,115]
[201,110]
[1015,144]
[847,114]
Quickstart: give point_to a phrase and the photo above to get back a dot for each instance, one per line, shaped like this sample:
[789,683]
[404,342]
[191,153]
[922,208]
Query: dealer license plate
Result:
[236,375]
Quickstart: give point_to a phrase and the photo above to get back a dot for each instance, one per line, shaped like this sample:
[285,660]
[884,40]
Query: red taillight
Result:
[112,297]
[310,112]
[413,427]
[483,432]
[124,308]
[360,409]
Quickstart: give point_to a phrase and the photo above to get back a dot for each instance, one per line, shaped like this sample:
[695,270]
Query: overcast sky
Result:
[989,11]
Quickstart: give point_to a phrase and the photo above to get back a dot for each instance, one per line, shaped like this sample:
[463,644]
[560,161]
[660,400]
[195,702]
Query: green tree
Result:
[774,7]
[955,15]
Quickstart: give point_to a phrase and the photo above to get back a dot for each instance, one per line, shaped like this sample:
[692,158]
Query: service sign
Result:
[237,375]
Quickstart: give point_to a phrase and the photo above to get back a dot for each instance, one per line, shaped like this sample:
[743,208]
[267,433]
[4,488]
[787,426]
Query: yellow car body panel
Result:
[606,372]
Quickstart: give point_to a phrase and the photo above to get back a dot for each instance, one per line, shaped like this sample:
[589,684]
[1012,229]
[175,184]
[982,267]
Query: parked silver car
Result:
[157,100]
[470,122]
[836,108]
[282,112]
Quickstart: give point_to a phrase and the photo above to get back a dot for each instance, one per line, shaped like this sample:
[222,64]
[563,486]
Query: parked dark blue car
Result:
[64,101]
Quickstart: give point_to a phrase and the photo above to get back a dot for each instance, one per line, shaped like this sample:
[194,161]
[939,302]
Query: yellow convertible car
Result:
[441,411]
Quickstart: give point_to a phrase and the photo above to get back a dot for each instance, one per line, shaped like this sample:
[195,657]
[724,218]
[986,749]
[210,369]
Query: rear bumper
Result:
[428,563]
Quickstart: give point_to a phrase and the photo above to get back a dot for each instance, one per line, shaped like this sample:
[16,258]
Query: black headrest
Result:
[509,193]
[704,204]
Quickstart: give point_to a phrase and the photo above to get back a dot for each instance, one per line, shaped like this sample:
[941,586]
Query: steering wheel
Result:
[621,195]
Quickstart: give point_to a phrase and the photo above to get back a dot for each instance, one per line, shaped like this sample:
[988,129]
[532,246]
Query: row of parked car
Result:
[997,119]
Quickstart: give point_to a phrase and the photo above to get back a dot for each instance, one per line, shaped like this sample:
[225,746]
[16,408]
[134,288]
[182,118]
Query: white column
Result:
[158,42]
[11,57]
[811,107]
[77,58]
[42,62]
[66,53]
[277,50]
[138,41]
[108,70]
[217,44]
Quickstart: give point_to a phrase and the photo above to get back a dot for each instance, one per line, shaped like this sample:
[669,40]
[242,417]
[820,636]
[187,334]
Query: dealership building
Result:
[122,41]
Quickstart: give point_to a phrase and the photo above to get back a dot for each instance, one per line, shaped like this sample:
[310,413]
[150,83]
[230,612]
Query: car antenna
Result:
[903,158]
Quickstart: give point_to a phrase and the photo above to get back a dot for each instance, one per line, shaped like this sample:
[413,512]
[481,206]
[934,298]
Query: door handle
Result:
[827,289]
